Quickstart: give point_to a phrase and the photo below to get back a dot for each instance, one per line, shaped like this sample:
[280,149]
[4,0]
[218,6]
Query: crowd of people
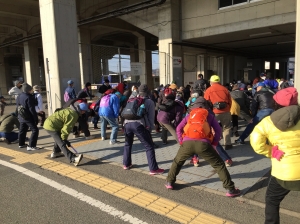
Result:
[197,117]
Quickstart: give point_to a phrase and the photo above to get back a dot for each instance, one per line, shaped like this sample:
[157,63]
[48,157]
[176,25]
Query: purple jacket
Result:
[211,121]
[174,114]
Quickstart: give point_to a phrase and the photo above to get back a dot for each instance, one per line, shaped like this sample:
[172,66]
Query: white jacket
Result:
[15,91]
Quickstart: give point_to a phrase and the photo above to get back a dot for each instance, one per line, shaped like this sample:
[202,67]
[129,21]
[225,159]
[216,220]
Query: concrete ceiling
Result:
[275,41]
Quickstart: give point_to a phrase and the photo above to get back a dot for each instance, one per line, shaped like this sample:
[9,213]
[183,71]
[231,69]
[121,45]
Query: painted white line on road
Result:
[82,197]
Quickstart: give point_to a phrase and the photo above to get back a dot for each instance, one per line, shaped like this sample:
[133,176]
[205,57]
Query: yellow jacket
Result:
[235,108]
[288,168]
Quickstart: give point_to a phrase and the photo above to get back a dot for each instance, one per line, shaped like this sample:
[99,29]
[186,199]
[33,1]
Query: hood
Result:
[286,117]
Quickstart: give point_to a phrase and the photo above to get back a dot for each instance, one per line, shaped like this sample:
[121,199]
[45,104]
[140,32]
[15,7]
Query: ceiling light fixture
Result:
[260,34]
[286,42]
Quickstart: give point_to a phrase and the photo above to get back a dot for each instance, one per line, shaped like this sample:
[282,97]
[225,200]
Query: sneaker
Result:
[228,162]
[96,127]
[114,142]
[127,167]
[239,141]
[169,186]
[22,146]
[77,159]
[158,171]
[102,138]
[76,136]
[90,137]
[233,192]
[32,148]
[227,147]
[56,154]
[236,134]
[164,143]
[195,161]
[16,141]
[4,140]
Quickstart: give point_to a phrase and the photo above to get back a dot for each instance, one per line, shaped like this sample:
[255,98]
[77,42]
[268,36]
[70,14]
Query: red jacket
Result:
[218,93]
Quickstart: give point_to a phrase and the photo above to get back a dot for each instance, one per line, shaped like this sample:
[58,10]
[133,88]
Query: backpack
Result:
[66,96]
[197,126]
[201,85]
[167,105]
[133,109]
[104,102]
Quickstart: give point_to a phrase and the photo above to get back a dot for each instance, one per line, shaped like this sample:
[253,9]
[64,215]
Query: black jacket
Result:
[262,99]
[28,102]
[242,99]
[84,93]
[202,84]
[104,88]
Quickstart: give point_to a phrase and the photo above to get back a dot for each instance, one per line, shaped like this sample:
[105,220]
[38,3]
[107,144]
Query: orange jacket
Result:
[218,93]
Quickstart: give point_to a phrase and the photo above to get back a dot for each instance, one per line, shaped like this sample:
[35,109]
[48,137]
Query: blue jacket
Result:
[109,106]
[271,83]
[28,102]
[71,92]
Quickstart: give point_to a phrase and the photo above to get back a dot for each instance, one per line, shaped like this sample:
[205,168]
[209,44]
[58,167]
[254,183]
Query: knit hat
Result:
[118,93]
[70,82]
[168,91]
[214,78]
[200,103]
[36,87]
[83,106]
[286,97]
[262,74]
[173,86]
[17,82]
[143,88]
[26,87]
[88,84]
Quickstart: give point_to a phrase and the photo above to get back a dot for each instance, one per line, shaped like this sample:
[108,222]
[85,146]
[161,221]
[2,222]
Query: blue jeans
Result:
[11,137]
[114,126]
[95,120]
[223,154]
[261,114]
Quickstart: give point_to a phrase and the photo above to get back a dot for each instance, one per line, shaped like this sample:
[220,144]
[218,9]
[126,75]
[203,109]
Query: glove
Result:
[276,153]
[67,143]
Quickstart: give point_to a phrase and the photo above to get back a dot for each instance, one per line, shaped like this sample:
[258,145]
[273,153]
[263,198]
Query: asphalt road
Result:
[26,200]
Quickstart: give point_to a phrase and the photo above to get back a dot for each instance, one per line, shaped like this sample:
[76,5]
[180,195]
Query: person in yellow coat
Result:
[282,130]
[235,113]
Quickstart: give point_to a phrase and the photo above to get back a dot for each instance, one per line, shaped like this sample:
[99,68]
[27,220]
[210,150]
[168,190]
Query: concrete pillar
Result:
[60,48]
[145,57]
[3,83]
[134,57]
[85,56]
[168,32]
[31,57]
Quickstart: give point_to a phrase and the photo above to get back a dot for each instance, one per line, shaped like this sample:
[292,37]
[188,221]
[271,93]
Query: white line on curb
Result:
[82,197]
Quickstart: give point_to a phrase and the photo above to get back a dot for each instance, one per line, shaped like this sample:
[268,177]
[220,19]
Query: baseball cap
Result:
[214,78]
[70,82]
[83,106]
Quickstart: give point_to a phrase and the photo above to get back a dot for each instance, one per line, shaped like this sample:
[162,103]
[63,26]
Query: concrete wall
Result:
[202,18]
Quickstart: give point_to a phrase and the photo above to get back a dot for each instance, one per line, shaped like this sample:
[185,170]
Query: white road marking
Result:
[82,197]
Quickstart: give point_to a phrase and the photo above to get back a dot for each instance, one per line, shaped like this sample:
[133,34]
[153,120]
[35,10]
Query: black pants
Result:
[60,146]
[42,115]
[274,195]
[83,126]
[235,123]
[23,131]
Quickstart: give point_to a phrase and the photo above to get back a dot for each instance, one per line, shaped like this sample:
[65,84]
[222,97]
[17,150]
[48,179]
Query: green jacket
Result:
[62,121]
[8,123]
